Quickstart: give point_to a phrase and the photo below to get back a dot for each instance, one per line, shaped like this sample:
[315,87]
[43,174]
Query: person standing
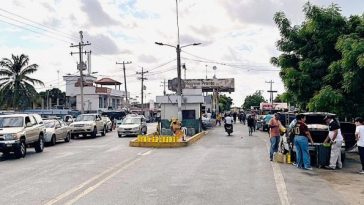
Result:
[250,125]
[218,119]
[336,140]
[359,134]
[274,135]
[234,116]
[302,135]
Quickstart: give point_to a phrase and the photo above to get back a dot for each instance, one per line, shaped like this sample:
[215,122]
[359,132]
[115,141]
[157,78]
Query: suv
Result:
[19,131]
[88,124]
[132,125]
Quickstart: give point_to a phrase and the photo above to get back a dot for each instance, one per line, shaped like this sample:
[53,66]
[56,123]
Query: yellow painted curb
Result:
[191,140]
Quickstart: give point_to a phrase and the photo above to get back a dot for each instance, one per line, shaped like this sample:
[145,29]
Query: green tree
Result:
[225,103]
[253,100]
[346,75]
[308,50]
[16,87]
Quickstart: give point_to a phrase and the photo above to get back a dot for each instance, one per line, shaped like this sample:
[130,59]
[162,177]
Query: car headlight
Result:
[10,136]
[136,128]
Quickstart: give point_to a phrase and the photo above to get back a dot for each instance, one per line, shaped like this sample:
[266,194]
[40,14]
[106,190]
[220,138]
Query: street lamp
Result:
[178,51]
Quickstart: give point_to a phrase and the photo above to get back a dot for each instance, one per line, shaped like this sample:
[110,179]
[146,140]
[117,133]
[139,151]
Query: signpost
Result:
[207,85]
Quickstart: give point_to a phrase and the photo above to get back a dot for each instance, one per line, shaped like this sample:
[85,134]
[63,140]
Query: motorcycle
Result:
[229,129]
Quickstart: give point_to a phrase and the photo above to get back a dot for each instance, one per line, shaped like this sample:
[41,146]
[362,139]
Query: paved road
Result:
[216,170]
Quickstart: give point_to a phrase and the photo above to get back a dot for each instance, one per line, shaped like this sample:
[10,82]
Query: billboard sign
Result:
[207,85]
[274,106]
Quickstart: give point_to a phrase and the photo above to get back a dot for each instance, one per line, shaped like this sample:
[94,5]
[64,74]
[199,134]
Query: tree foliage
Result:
[16,87]
[225,103]
[253,100]
[322,60]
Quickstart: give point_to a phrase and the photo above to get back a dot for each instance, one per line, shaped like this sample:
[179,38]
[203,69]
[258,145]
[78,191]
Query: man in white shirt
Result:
[228,121]
[336,139]
[359,134]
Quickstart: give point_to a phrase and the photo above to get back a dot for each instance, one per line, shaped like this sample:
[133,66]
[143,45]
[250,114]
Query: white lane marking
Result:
[92,188]
[145,153]
[80,186]
[279,180]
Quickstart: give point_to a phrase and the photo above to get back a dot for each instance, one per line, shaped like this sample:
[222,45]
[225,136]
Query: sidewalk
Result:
[322,186]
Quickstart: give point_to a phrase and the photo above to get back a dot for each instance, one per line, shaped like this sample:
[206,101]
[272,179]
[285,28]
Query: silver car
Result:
[132,126]
[107,123]
[56,130]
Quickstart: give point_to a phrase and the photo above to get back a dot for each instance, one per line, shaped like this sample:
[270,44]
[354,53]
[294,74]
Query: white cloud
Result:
[236,32]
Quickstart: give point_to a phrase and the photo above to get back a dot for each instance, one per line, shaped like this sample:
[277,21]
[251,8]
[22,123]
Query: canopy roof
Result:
[107,81]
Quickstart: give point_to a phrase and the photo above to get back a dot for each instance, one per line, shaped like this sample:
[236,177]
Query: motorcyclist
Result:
[228,121]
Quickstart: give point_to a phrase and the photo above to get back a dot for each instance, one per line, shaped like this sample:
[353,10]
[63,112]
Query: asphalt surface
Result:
[219,169]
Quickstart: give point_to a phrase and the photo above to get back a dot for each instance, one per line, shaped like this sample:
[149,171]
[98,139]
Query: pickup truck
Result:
[85,124]
[19,131]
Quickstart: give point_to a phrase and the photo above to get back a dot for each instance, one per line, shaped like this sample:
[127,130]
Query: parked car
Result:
[19,131]
[56,130]
[319,131]
[107,123]
[68,119]
[85,124]
[132,126]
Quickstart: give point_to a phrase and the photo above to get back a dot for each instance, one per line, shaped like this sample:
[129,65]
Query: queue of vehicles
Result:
[21,131]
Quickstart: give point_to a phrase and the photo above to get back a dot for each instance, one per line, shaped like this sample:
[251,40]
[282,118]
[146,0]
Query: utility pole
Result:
[126,90]
[185,69]
[164,83]
[271,91]
[81,66]
[142,78]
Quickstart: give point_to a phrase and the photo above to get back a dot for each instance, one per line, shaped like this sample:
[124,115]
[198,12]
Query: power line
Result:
[142,78]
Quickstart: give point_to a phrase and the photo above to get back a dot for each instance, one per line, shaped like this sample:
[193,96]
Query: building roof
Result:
[107,81]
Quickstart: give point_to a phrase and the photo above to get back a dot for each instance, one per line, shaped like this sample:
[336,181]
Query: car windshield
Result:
[130,121]
[86,118]
[49,124]
[11,122]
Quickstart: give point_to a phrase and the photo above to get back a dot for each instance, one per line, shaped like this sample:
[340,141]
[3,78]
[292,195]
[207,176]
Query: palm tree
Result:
[16,87]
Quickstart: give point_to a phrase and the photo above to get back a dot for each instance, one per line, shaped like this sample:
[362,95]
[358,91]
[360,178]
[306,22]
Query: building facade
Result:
[103,94]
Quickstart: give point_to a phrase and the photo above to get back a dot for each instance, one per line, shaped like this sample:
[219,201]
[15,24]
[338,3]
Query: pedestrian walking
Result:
[234,116]
[243,118]
[218,119]
[250,125]
[302,136]
[336,140]
[359,134]
[274,124]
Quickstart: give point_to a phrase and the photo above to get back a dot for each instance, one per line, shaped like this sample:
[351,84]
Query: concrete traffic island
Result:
[164,141]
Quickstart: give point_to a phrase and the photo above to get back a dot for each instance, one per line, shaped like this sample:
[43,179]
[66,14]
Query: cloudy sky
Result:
[237,36]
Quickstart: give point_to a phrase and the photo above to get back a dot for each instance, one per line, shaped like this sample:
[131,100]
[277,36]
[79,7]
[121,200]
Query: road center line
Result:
[89,181]
[92,188]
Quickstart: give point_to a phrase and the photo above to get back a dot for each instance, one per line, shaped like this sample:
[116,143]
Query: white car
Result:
[56,130]
[132,126]
[107,123]
[88,124]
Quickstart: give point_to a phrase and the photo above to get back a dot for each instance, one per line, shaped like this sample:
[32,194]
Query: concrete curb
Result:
[190,141]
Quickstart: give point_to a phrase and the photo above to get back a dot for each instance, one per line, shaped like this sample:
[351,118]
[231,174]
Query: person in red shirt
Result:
[275,136]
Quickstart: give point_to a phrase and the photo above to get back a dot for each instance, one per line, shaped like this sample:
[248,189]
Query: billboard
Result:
[207,85]
[274,106]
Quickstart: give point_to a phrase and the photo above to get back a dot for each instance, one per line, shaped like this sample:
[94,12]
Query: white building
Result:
[98,94]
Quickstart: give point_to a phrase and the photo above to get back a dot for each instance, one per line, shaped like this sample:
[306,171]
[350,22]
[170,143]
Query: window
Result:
[101,102]
[189,114]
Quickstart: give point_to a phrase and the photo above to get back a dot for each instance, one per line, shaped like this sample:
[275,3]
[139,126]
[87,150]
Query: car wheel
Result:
[39,145]
[21,150]
[93,135]
[67,139]
[103,133]
[120,136]
[53,140]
